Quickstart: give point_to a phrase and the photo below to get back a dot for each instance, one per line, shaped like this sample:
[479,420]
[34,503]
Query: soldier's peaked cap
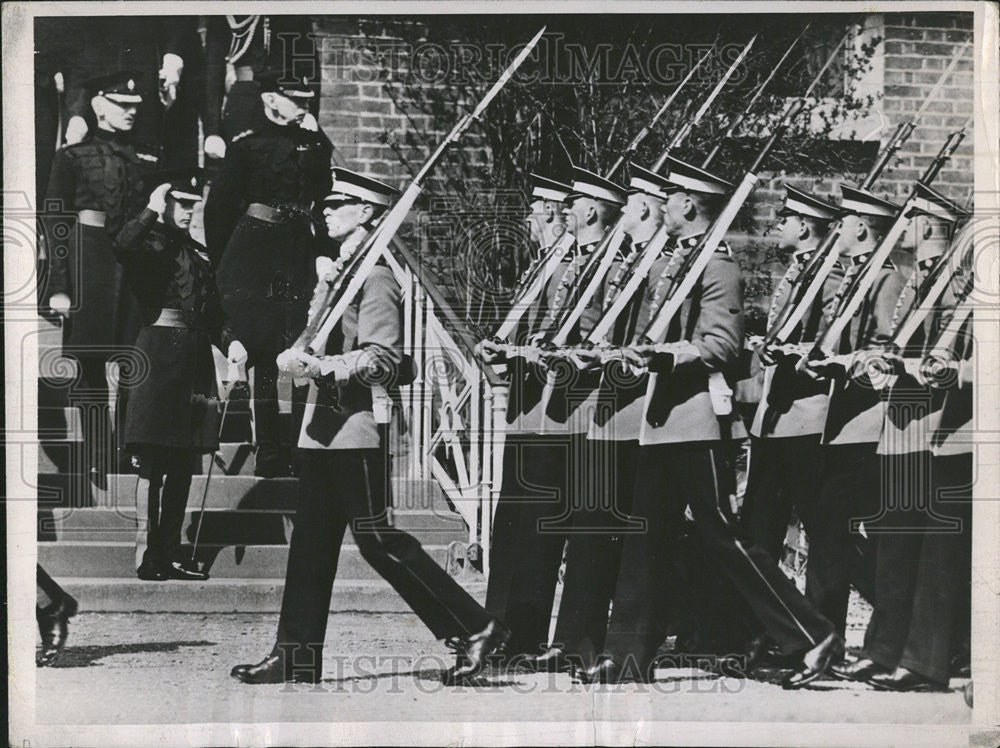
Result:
[690,178]
[932,203]
[801,203]
[280,81]
[648,182]
[186,183]
[349,186]
[543,188]
[588,184]
[864,203]
[119,87]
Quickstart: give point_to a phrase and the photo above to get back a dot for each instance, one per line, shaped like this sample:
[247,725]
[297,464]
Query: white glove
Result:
[158,199]
[298,363]
[170,71]
[237,353]
[60,303]
[76,129]
[215,147]
[308,122]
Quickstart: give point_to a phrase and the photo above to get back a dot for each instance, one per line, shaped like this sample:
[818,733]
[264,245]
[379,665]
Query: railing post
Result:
[496,436]
[427,393]
[419,385]
[486,479]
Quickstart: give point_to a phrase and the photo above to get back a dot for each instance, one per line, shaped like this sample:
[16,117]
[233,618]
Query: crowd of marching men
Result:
[622,348]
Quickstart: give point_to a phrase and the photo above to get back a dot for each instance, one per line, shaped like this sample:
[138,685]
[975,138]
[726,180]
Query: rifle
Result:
[937,366]
[942,273]
[644,262]
[603,255]
[369,253]
[854,297]
[822,261]
[538,275]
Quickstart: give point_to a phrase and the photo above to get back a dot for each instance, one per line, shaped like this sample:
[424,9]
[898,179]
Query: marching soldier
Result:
[173,413]
[786,429]
[512,528]
[850,478]
[564,464]
[94,183]
[598,525]
[922,567]
[345,473]
[682,463]
[259,227]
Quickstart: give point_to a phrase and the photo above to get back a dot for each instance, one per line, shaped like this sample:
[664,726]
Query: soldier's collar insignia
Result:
[689,241]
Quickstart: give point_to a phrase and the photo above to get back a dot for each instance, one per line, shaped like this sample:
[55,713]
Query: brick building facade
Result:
[376,132]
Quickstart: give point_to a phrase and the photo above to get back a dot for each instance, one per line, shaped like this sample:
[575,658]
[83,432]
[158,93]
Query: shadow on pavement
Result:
[88,655]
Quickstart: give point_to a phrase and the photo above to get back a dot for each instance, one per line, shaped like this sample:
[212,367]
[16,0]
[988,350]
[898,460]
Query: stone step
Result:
[112,559]
[243,527]
[64,456]
[62,423]
[234,595]
[226,492]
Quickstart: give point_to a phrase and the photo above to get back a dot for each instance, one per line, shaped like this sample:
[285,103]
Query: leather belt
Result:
[279,214]
[170,318]
[96,218]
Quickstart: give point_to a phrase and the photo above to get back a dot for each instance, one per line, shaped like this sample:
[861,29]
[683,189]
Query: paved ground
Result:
[169,668]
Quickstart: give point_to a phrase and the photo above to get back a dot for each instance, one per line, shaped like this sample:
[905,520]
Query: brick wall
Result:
[917,49]
[357,110]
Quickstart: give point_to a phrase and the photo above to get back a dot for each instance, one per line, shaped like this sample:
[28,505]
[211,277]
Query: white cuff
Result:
[336,366]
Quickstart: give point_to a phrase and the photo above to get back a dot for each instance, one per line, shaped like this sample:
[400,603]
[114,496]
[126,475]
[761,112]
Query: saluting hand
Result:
[158,199]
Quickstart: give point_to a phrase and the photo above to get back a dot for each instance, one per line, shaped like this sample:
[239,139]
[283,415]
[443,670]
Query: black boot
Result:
[816,663]
[274,669]
[471,662]
[53,626]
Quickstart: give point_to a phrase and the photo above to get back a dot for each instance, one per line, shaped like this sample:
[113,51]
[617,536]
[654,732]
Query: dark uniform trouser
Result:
[50,590]
[529,535]
[598,525]
[90,394]
[850,490]
[668,478]
[267,423]
[782,478]
[349,487]
[923,576]
[168,471]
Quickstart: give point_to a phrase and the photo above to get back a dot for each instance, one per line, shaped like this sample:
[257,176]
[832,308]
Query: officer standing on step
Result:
[345,470]
[92,191]
[173,415]
[260,231]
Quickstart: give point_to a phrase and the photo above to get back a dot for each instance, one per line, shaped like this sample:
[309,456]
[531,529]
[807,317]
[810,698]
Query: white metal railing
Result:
[451,408]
